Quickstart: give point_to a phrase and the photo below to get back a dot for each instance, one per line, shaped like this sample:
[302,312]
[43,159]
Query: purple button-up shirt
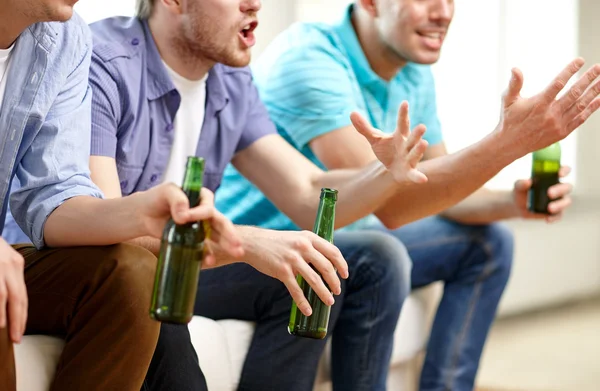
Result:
[135,102]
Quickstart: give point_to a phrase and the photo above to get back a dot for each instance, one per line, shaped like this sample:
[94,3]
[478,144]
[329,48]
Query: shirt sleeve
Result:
[309,92]
[258,123]
[106,109]
[56,166]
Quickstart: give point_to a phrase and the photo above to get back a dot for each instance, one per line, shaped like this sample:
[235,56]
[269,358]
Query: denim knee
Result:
[389,263]
[499,242]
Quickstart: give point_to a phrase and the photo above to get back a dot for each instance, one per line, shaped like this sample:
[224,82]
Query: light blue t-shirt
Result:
[311,78]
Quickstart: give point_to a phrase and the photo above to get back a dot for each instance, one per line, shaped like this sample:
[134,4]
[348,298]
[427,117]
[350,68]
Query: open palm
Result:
[399,152]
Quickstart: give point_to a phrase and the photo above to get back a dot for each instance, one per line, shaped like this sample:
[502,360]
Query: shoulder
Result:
[67,42]
[314,46]
[118,37]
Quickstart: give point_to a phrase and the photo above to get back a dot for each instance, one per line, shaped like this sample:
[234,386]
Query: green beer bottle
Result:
[544,174]
[181,252]
[315,326]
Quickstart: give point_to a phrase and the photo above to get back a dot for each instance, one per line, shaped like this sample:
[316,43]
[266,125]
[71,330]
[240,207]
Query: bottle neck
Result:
[192,180]
[325,221]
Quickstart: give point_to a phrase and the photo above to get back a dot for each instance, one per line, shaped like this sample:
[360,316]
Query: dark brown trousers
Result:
[96,299]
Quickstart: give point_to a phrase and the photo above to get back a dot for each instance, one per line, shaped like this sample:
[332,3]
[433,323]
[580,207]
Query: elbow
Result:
[390,222]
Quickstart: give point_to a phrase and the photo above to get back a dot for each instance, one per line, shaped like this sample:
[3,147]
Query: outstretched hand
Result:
[401,151]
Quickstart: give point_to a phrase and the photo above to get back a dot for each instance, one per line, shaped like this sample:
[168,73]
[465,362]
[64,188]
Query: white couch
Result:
[222,347]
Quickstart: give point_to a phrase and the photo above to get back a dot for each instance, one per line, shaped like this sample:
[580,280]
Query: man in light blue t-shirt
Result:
[311,78]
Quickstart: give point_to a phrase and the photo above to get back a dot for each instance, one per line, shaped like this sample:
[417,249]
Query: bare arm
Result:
[293,183]
[525,123]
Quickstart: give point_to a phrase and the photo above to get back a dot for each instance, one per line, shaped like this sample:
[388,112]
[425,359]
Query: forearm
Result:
[451,178]
[87,221]
[483,207]
[251,252]
[360,193]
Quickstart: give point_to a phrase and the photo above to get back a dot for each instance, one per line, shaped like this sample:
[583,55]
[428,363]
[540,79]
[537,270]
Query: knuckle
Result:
[559,84]
[580,106]
[313,279]
[575,92]
[18,260]
[301,244]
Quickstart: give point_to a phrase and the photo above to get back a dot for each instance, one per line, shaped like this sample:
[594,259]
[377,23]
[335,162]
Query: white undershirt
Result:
[4,65]
[187,124]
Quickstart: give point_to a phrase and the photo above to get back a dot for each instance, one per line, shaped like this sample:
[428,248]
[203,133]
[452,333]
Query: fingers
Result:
[559,206]
[514,87]
[564,171]
[326,269]
[206,209]
[292,286]
[17,308]
[403,124]
[226,235]
[550,93]
[584,115]
[3,302]
[332,253]
[315,281]
[571,101]
[179,204]
[364,127]
[416,136]
[559,190]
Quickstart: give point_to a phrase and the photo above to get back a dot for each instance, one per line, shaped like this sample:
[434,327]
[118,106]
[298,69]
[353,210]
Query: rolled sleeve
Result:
[105,109]
[56,166]
[258,122]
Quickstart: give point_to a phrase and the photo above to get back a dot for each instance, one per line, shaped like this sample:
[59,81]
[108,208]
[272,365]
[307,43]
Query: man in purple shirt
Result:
[174,81]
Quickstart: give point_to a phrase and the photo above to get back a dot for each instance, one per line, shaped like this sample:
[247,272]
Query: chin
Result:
[428,58]
[239,60]
[62,14]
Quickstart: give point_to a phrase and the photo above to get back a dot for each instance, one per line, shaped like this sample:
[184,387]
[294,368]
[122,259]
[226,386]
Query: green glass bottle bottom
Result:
[176,284]
[314,326]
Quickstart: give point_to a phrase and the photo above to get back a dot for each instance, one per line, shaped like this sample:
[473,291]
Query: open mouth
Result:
[432,39]
[247,34]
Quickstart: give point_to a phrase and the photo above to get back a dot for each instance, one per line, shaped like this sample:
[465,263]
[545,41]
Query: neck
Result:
[382,59]
[173,51]
[12,24]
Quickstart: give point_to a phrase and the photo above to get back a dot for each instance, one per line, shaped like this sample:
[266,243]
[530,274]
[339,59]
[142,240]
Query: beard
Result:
[201,37]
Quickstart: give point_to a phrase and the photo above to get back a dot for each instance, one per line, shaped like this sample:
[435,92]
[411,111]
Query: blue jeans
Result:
[362,323]
[474,263]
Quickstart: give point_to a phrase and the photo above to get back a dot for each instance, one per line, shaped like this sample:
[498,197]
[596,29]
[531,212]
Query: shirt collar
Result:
[158,82]
[358,60]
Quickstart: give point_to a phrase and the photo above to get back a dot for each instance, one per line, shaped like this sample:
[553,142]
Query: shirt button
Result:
[124,184]
[153,178]
[169,128]
[135,42]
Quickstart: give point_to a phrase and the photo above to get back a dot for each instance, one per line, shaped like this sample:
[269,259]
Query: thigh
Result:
[436,246]
[59,280]
[239,291]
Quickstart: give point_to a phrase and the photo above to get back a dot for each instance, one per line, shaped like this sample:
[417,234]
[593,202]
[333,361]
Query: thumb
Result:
[179,205]
[514,87]
[364,127]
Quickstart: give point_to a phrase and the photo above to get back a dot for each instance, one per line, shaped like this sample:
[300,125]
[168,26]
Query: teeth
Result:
[246,28]
[433,35]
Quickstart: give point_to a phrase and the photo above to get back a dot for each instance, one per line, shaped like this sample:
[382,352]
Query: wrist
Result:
[134,205]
